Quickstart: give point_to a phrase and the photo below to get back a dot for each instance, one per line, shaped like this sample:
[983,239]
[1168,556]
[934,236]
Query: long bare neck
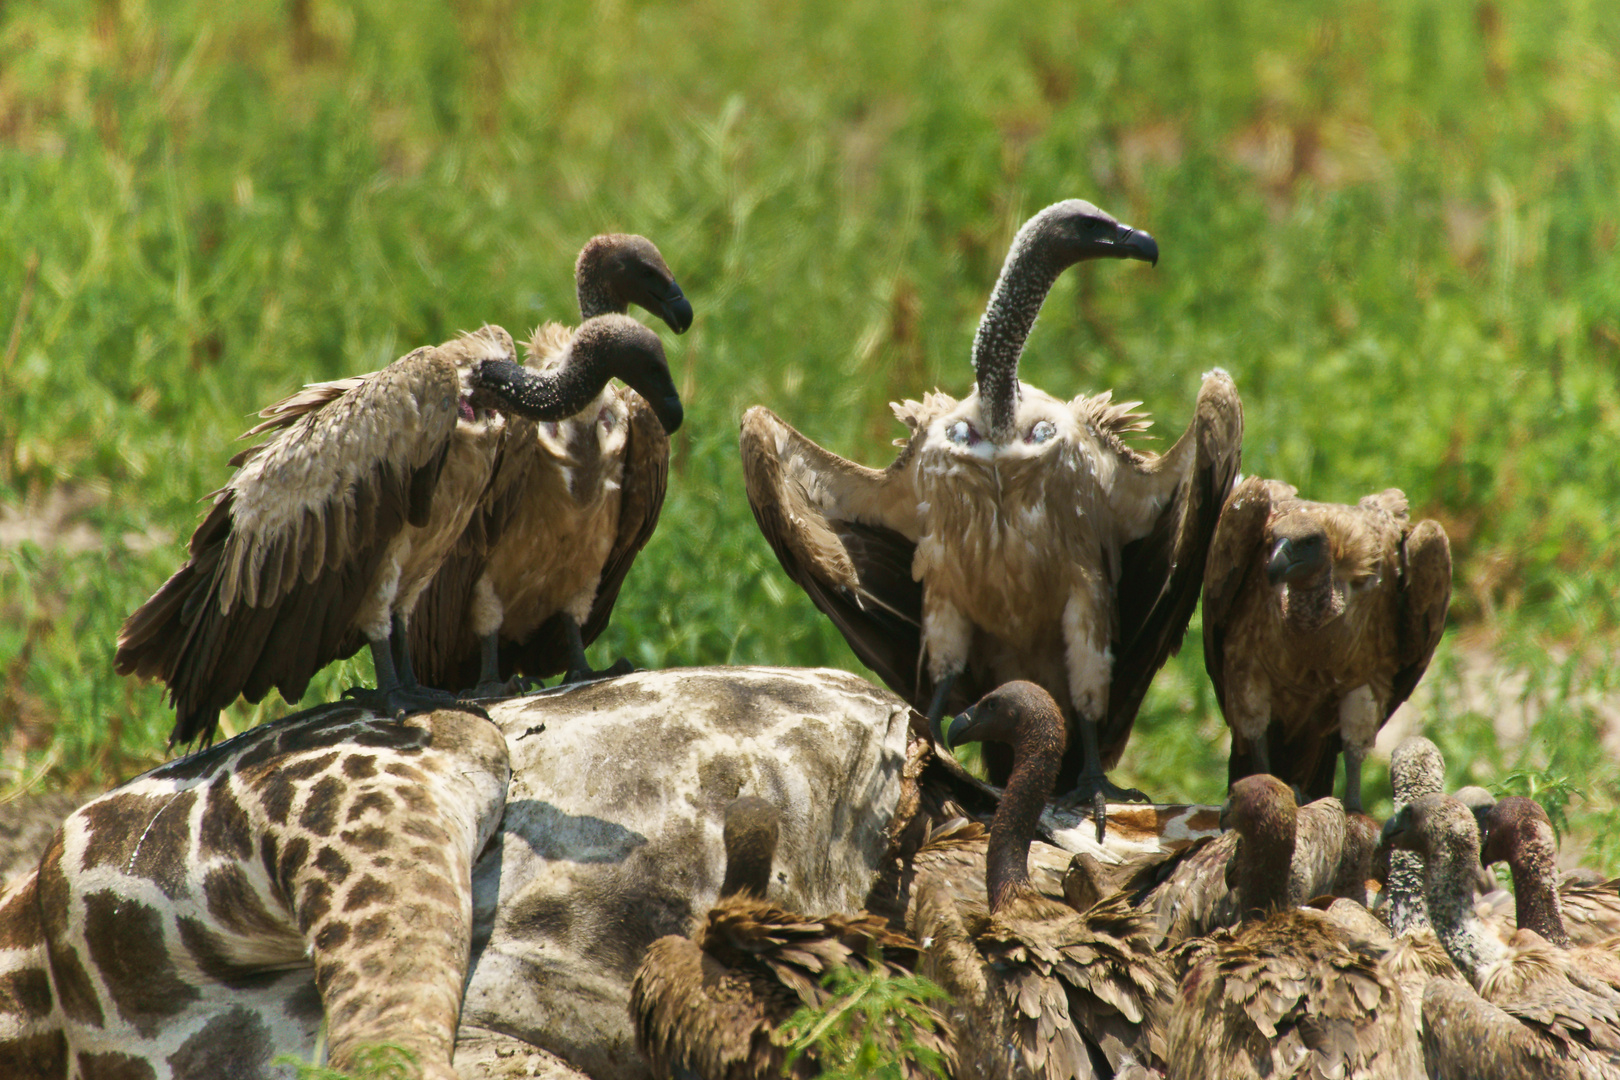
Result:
[1265,855]
[1414,772]
[1535,892]
[1026,278]
[1037,753]
[1449,881]
[554,394]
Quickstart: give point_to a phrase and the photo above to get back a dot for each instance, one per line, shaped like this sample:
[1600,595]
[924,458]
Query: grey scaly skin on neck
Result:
[1049,243]
[1443,831]
[602,348]
[1024,715]
[1415,769]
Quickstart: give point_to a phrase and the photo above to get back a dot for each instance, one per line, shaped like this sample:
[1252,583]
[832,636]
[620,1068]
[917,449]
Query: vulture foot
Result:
[1097,790]
[516,686]
[398,702]
[585,673]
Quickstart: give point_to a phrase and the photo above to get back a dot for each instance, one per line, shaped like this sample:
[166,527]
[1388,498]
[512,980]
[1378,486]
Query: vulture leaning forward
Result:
[1016,536]
[1319,619]
[325,536]
[572,502]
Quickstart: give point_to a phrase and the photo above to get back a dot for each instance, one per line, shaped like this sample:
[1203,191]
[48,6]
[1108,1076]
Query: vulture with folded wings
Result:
[324,538]
[1319,620]
[1017,536]
[571,504]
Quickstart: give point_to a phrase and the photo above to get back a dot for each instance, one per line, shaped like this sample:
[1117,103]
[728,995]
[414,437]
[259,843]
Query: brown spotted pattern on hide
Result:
[201,919]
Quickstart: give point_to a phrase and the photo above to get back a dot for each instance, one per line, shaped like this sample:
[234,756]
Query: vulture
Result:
[713,1005]
[1194,895]
[1292,992]
[325,536]
[1016,536]
[1530,1008]
[1319,619]
[1047,991]
[572,502]
[1566,912]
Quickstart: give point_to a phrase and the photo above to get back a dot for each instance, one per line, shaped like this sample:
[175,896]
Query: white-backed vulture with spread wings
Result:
[1016,536]
[572,502]
[1319,619]
[325,536]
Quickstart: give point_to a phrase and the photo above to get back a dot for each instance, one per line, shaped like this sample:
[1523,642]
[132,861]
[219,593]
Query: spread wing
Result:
[645,479]
[1160,572]
[281,563]
[846,535]
[1425,596]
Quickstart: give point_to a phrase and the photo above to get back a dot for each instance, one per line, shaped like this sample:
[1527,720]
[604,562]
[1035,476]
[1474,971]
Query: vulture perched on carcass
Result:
[1016,536]
[1319,619]
[572,502]
[325,536]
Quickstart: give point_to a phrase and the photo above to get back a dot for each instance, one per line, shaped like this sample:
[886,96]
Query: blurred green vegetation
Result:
[1393,223]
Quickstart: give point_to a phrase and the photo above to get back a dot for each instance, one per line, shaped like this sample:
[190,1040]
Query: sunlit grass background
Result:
[1394,223]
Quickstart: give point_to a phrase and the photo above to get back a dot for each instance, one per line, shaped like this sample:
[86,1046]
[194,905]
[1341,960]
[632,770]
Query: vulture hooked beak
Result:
[962,723]
[675,309]
[1136,244]
[1395,830]
[1290,561]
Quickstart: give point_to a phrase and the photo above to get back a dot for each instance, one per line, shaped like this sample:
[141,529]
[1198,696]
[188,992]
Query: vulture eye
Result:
[961,433]
[1042,431]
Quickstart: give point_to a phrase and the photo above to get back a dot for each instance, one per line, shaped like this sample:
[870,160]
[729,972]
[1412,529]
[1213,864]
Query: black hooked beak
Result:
[1226,816]
[676,310]
[942,726]
[1287,559]
[1136,244]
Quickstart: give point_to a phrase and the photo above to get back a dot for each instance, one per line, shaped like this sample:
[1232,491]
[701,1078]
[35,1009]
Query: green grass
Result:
[1393,223]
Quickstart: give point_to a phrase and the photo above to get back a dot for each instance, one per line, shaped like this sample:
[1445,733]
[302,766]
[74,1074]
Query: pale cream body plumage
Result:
[573,501]
[1319,619]
[1016,535]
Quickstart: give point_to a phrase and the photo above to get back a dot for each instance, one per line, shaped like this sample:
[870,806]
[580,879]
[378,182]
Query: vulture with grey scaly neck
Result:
[712,1005]
[1319,619]
[1016,536]
[1528,1011]
[572,502]
[325,536]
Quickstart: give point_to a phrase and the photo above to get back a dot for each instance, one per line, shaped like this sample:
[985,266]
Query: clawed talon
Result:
[1095,791]
[621,666]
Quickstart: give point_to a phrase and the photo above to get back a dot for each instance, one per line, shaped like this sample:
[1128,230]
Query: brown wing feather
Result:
[1160,574]
[1242,529]
[842,544]
[296,534]
[1425,594]
[646,477]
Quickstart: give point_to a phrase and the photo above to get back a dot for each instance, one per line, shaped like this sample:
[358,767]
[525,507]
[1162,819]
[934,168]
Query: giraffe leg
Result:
[388,920]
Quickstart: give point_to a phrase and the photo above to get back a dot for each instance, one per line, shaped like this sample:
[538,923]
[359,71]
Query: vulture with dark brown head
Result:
[324,538]
[1046,990]
[1293,992]
[572,502]
[1017,536]
[1319,619]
